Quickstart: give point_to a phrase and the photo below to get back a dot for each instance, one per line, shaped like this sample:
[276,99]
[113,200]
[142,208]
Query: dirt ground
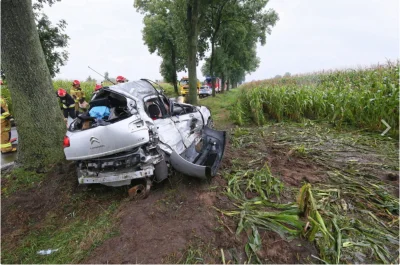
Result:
[28,210]
[178,216]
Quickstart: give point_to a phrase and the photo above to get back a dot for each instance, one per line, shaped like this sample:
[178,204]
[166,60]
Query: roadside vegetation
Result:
[48,212]
[304,189]
[352,214]
[357,97]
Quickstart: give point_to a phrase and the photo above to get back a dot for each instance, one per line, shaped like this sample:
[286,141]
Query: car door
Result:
[169,134]
[189,126]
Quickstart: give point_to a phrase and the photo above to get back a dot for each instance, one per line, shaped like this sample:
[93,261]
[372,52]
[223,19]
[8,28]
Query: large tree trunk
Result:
[212,67]
[193,7]
[36,110]
[213,40]
[222,83]
[174,77]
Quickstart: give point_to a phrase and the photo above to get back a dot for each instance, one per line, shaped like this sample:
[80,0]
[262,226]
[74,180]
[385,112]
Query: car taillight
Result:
[66,142]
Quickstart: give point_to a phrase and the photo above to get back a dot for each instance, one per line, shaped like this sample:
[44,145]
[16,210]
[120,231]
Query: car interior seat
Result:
[154,111]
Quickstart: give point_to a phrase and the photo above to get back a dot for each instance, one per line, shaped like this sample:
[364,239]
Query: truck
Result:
[184,86]
[208,82]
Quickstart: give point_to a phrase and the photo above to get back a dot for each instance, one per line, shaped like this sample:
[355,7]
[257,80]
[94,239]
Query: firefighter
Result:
[78,94]
[121,79]
[68,104]
[96,90]
[6,146]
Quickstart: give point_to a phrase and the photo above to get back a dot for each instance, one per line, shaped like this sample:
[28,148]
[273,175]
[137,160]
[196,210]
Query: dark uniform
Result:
[68,105]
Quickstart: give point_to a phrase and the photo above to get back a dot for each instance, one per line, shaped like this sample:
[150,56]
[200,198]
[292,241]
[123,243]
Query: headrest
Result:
[154,111]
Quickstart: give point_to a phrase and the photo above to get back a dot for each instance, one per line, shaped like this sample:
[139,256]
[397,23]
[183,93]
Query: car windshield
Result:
[138,89]
[184,82]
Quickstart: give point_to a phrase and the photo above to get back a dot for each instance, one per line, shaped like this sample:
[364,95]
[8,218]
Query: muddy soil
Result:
[179,214]
[57,196]
[175,215]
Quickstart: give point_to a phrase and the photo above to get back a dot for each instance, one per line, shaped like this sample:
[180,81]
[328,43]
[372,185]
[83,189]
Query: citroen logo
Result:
[94,140]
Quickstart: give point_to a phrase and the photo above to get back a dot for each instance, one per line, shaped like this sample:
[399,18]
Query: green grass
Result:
[360,98]
[221,106]
[74,239]
[168,90]
[196,252]
[19,179]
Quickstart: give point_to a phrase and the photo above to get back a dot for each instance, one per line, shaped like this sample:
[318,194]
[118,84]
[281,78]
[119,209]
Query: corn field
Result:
[357,97]
[87,87]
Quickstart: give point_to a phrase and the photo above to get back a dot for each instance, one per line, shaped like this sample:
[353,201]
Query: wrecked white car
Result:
[143,136]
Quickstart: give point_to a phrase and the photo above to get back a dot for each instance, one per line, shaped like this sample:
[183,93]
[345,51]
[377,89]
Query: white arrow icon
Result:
[387,129]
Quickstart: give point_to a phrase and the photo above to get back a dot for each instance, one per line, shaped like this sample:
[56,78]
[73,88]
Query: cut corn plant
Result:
[343,220]
[264,211]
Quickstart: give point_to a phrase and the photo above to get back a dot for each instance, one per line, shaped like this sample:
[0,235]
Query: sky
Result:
[311,35]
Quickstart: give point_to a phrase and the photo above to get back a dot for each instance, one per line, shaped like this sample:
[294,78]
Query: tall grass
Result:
[87,87]
[357,97]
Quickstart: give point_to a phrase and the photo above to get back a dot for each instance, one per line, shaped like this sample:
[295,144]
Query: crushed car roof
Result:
[138,89]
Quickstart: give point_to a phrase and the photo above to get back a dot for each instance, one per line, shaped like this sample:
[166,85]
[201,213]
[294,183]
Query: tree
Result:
[36,110]
[52,39]
[162,33]
[214,17]
[106,76]
[194,18]
[167,32]
[235,28]
[287,74]
[89,79]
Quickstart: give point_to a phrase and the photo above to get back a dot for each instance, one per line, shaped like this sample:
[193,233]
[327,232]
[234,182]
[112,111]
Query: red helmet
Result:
[76,82]
[61,92]
[120,78]
[97,87]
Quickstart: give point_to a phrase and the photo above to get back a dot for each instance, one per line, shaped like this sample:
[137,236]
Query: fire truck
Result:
[184,86]
[208,82]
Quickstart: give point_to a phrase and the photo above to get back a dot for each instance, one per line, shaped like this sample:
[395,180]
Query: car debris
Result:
[143,137]
[47,251]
